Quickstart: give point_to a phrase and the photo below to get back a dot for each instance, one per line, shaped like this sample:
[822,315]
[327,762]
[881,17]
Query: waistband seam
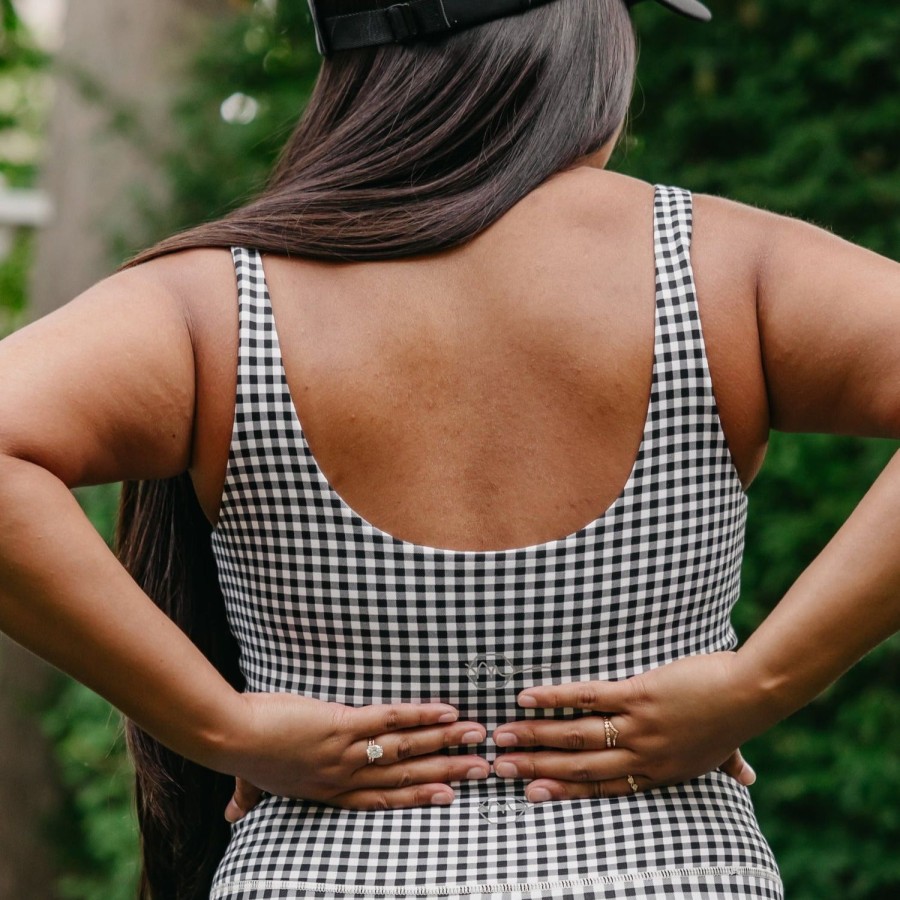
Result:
[400,890]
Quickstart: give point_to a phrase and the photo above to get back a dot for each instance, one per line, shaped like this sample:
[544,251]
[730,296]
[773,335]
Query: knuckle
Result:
[582,773]
[640,693]
[404,778]
[600,790]
[586,696]
[341,719]
[574,739]
[392,719]
[404,748]
[380,801]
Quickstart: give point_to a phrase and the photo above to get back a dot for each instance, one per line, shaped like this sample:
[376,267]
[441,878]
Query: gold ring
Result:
[612,733]
[633,783]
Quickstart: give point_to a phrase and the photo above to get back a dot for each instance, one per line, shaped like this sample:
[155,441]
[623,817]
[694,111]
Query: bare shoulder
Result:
[818,297]
[204,281]
[198,277]
[625,195]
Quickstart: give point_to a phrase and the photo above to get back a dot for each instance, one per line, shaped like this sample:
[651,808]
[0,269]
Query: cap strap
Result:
[413,19]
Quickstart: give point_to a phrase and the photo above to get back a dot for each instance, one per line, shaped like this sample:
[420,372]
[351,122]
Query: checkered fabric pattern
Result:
[325,604]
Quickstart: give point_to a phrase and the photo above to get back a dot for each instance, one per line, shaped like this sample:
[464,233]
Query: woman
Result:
[391,623]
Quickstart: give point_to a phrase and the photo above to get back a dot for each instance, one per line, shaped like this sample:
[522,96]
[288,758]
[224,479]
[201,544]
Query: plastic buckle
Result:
[402,21]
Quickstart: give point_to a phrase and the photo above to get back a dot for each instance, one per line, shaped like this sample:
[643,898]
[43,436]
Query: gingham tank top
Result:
[326,604]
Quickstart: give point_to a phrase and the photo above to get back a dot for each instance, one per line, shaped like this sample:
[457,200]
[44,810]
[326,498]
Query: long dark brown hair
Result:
[401,150]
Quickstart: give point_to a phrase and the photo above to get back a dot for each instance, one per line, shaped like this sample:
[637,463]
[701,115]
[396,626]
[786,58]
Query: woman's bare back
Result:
[493,395]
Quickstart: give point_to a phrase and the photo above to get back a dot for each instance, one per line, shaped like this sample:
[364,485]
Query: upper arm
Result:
[103,389]
[828,314]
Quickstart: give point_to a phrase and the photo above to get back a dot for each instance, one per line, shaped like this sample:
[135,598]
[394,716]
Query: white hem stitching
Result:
[512,887]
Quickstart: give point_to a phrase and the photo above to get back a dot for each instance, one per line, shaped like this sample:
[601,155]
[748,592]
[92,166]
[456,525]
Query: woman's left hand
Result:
[671,724]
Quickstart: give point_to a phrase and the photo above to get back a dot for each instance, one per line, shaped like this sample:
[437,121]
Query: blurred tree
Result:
[110,135]
[27,782]
[23,78]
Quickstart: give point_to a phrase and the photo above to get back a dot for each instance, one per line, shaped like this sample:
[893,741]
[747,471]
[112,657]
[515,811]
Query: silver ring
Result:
[374,751]
[612,733]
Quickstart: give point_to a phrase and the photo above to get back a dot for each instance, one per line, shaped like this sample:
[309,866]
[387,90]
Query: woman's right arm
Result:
[102,390]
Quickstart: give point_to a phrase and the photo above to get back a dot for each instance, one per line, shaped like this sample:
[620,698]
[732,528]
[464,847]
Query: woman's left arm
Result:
[829,321]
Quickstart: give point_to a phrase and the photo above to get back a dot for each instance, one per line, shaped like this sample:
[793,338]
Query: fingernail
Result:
[538,794]
[442,799]
[506,769]
[476,772]
[506,739]
[472,737]
[527,700]
[449,717]
[748,776]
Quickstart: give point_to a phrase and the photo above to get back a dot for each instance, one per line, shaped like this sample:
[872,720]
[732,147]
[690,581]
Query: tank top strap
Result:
[687,428]
[263,411]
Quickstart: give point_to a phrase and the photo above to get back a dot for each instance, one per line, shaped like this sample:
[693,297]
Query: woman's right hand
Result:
[300,747]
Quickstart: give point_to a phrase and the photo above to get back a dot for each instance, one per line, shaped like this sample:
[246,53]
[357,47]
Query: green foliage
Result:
[22,70]
[95,832]
[795,107]
[269,59]
[792,106]
[829,776]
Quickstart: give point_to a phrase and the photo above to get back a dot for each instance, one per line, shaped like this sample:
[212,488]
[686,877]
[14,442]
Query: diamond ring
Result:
[374,751]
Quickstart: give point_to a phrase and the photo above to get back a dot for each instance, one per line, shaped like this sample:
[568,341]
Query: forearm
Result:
[65,596]
[844,604]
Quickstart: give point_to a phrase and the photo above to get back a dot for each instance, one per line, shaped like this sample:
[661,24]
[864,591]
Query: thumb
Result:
[739,769]
[245,797]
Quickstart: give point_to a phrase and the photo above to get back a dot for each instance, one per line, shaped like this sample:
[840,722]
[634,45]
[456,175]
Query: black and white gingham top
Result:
[326,604]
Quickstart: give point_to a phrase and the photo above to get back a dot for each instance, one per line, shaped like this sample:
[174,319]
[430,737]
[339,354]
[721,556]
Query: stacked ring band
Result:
[612,733]
[374,751]
[633,783]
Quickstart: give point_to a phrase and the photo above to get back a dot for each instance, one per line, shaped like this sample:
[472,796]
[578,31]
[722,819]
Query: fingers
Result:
[600,765]
[368,721]
[739,769]
[420,742]
[415,795]
[422,771]
[541,791]
[245,797]
[585,733]
[599,696]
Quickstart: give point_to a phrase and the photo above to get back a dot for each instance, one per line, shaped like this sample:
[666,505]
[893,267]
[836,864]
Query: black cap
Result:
[690,8]
[403,22]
